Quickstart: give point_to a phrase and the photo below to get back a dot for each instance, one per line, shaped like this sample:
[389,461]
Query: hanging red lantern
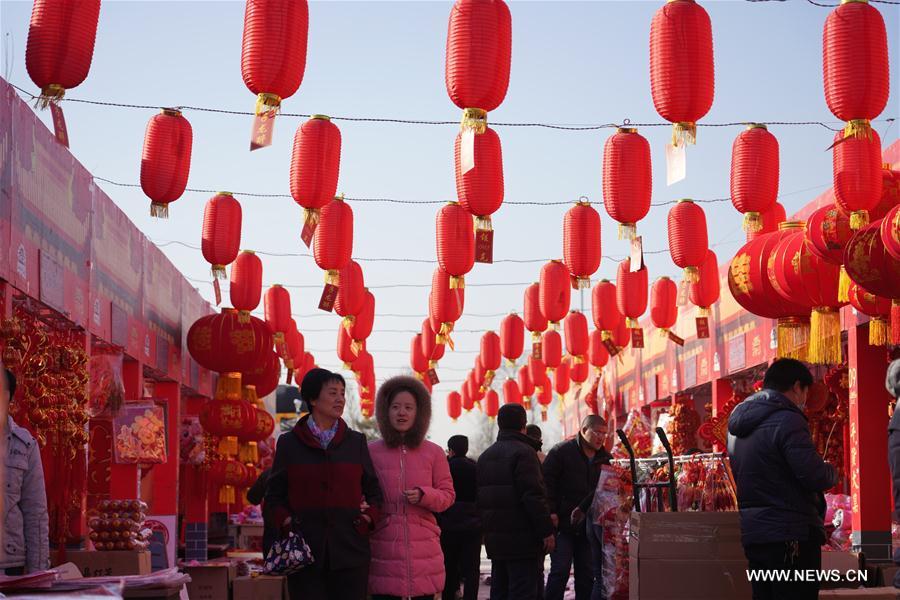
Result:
[858,176]
[855,61]
[562,381]
[364,365]
[771,219]
[257,429]
[165,160]
[265,378]
[627,179]
[663,305]
[512,337]
[688,240]
[352,293]
[890,193]
[454,405]
[827,233]
[277,307]
[364,321]
[524,381]
[578,371]
[490,353]
[890,232]
[621,336]
[224,344]
[870,265]
[221,236]
[581,243]
[455,242]
[537,370]
[682,77]
[481,371]
[296,346]
[704,292]
[604,307]
[245,288]
[333,242]
[535,320]
[445,306]
[597,353]
[491,404]
[345,349]
[631,293]
[228,415]
[315,167]
[227,474]
[465,396]
[754,174]
[273,50]
[60,45]
[576,330]
[545,396]
[480,188]
[418,362]
[511,393]
[551,349]
[875,307]
[429,343]
[555,293]
[803,277]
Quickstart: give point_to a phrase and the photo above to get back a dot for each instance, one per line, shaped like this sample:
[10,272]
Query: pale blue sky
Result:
[573,62]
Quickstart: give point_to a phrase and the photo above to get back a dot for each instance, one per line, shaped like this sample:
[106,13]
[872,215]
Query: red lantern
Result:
[346,351]
[621,336]
[445,306]
[429,344]
[246,284]
[511,393]
[315,167]
[604,307]
[221,237]
[265,379]
[524,381]
[455,243]
[551,349]
[598,354]
[771,219]
[827,233]
[537,370]
[418,362]
[222,343]
[561,379]
[872,267]
[365,320]
[682,77]
[491,404]
[333,243]
[296,345]
[512,337]
[858,177]
[228,474]
[364,366]
[576,329]
[688,240]
[555,293]
[479,51]
[454,405]
[631,292]
[480,372]
[663,304]
[890,232]
[705,291]
[165,160]
[273,50]
[60,45]
[890,193]
[754,174]
[480,189]
[875,307]
[490,352]
[277,306]
[352,293]
[465,396]
[545,396]
[627,179]
[535,320]
[581,243]
[578,371]
[855,62]
[259,428]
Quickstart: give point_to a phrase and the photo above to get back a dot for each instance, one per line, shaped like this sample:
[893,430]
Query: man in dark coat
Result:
[892,383]
[256,495]
[571,472]
[461,524]
[780,481]
[513,505]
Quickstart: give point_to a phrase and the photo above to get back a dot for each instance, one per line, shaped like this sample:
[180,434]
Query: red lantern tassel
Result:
[878,332]
[226,494]
[792,335]
[825,336]
[692,274]
[752,222]
[457,283]
[895,322]
[684,132]
[627,231]
[159,211]
[844,286]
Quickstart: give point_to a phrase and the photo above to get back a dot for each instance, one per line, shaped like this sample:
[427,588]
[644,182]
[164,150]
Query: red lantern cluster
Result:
[627,179]
[581,243]
[754,174]
[166,160]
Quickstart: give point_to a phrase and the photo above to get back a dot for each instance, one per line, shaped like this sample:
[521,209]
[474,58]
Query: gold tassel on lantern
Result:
[51,94]
[333,277]
[443,336]
[752,222]
[356,346]
[226,494]
[266,103]
[229,387]
[457,283]
[311,217]
[684,132]
[249,453]
[627,231]
[159,210]
[631,323]
[793,338]
[844,286]
[347,323]
[228,446]
[474,118]
[218,272]
[250,394]
[606,334]
[483,223]
[692,274]
[825,336]
[878,332]
[858,128]
[859,219]
[243,316]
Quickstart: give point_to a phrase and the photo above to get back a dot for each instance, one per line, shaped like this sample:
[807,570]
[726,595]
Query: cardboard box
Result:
[686,535]
[211,581]
[842,562]
[882,593]
[152,594]
[264,587]
[250,537]
[109,563]
[886,574]
[677,579]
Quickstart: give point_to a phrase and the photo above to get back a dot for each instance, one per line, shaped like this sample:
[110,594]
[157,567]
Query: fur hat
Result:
[386,393]
[892,381]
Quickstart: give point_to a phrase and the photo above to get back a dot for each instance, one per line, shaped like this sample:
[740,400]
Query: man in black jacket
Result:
[256,495]
[513,505]
[571,471]
[461,524]
[892,383]
[780,481]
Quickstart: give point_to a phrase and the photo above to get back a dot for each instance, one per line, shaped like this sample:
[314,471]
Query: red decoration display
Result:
[754,174]
[364,321]
[345,349]
[480,189]
[576,330]
[535,320]
[537,371]
[333,243]
[663,304]
[315,167]
[875,307]
[277,307]
[870,265]
[165,160]
[555,292]
[418,362]
[245,288]
[511,393]
[890,232]
[578,371]
[490,352]
[445,305]
[265,378]
[352,293]
[221,236]
[581,243]
[704,292]
[562,381]
[512,337]
[222,343]
[597,352]
[524,381]
[454,405]
[631,293]
[627,179]
[682,77]
[491,404]
[604,308]
[455,243]
[688,241]
[771,219]
[551,349]
[858,177]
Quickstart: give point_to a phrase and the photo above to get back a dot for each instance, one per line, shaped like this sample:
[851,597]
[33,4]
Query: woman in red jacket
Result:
[321,474]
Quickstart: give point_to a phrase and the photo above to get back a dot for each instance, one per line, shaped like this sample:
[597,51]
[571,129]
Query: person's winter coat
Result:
[892,384]
[463,516]
[512,498]
[571,478]
[26,536]
[780,477]
[322,489]
[406,546]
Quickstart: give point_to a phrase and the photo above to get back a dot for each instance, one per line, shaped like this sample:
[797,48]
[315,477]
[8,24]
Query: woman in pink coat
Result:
[415,476]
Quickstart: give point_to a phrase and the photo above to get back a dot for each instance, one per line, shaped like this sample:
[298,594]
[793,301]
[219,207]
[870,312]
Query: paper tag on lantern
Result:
[263,128]
[637,338]
[536,351]
[309,229]
[59,124]
[433,377]
[702,328]
[217,289]
[484,246]
[676,339]
[611,346]
[637,254]
[544,416]
[676,163]
[290,376]
[467,151]
[329,295]
[683,287]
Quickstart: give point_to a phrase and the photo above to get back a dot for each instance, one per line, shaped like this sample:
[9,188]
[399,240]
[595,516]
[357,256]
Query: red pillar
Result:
[194,498]
[722,392]
[870,486]
[164,498]
[124,481]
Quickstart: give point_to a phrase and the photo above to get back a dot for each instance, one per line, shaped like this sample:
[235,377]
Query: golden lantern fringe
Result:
[632,323]
[159,210]
[484,223]
[895,322]
[311,216]
[356,346]
[704,311]
[228,446]
[544,413]
[249,452]
[858,128]
[218,272]
[527,402]
[606,334]
[582,283]
[457,283]
[432,364]
[279,338]
[51,94]
[752,222]
[226,494]
[579,359]
[662,332]
[347,366]
[289,364]
[692,274]
[267,102]
[859,219]
[229,387]
[878,332]
[627,231]
[474,118]
[825,336]
[684,132]
[348,322]
[250,394]
[333,277]
[243,316]
[793,339]
[536,337]
[844,286]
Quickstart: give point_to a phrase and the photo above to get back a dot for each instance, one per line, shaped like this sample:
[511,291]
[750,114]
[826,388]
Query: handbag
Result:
[288,555]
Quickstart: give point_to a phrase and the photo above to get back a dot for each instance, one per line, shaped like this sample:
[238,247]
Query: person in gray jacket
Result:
[25,544]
